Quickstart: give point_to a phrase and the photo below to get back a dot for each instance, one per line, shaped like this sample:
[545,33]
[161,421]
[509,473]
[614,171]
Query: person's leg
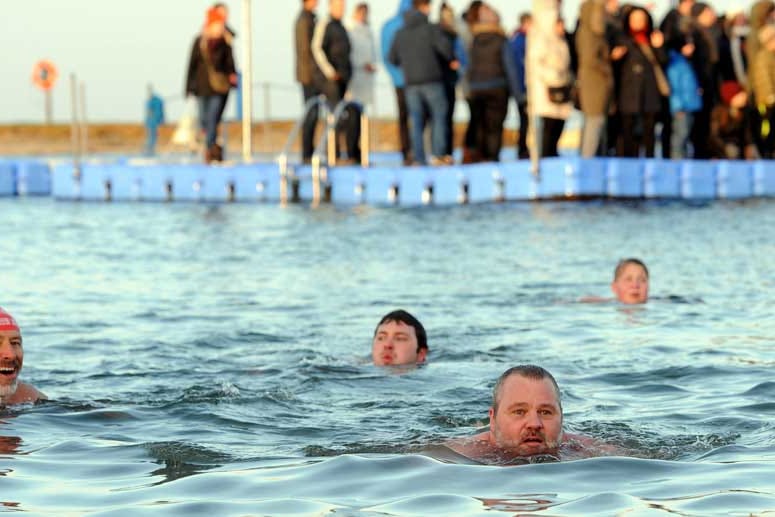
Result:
[403,126]
[550,134]
[680,132]
[496,108]
[414,105]
[628,142]
[590,135]
[666,136]
[524,126]
[449,92]
[437,102]
[649,133]
[212,109]
[473,124]
[310,123]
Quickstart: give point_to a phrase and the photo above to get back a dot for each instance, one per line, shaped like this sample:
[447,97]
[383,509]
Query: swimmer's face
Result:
[632,285]
[11,360]
[528,419]
[395,343]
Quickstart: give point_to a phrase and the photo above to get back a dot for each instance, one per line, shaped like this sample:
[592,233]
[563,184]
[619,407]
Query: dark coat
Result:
[638,90]
[421,50]
[335,45]
[197,82]
[305,63]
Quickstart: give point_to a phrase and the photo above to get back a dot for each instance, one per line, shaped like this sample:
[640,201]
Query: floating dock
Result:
[385,185]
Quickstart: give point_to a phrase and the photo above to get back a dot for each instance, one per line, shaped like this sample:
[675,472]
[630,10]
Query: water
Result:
[215,360]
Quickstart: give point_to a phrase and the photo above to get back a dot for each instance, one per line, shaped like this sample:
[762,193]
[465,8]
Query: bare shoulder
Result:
[473,447]
[595,299]
[26,393]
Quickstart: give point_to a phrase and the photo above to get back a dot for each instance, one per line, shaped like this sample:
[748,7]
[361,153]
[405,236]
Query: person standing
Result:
[211,74]
[154,117]
[549,76]
[595,78]
[449,30]
[389,30]
[422,52]
[518,44]
[305,64]
[333,71]
[492,75]
[363,56]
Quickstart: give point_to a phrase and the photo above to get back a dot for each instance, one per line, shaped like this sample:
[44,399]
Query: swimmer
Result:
[526,422]
[630,284]
[631,281]
[11,359]
[399,339]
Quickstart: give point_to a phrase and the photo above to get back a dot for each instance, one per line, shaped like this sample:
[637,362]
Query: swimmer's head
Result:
[631,281]
[11,354]
[399,338]
[526,414]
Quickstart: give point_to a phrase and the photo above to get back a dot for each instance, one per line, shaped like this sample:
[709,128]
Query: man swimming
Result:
[526,421]
[399,339]
[631,281]
[11,359]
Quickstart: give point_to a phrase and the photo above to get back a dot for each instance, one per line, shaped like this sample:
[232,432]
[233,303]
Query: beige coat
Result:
[595,81]
[763,77]
[548,62]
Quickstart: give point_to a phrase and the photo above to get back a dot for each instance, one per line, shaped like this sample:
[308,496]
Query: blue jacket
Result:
[389,31]
[154,111]
[518,46]
[684,88]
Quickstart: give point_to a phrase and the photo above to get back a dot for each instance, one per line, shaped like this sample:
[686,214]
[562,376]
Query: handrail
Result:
[329,141]
[282,159]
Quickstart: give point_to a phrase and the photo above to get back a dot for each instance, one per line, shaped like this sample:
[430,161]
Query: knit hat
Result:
[728,91]
[7,322]
[698,8]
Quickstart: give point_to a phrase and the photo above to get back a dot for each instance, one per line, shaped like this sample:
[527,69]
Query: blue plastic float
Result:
[567,177]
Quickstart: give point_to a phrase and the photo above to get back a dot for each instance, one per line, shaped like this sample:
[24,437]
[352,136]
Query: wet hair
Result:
[402,316]
[528,371]
[626,262]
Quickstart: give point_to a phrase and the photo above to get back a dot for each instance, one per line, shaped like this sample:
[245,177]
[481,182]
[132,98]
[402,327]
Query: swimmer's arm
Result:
[593,446]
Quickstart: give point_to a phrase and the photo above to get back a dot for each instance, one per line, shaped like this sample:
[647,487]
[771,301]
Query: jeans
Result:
[430,97]
[681,128]
[210,111]
[151,137]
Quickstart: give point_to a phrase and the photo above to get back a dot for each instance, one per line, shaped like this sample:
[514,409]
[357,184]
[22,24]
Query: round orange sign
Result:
[44,75]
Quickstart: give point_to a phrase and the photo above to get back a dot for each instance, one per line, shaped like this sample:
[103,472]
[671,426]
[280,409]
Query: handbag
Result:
[560,94]
[662,84]
[219,81]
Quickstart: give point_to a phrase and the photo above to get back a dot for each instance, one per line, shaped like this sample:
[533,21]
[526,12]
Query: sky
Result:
[117,47]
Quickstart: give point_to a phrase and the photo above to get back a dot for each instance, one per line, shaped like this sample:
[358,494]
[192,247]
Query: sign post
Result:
[44,76]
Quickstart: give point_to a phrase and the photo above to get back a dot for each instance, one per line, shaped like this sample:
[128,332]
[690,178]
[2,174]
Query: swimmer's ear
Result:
[421,355]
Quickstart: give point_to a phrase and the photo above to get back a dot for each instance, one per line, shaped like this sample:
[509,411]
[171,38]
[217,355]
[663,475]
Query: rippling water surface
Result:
[215,360]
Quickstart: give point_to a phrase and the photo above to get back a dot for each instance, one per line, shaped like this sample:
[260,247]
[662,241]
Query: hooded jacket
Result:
[389,30]
[421,50]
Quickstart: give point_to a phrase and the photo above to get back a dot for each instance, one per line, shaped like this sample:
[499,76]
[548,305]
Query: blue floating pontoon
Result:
[568,177]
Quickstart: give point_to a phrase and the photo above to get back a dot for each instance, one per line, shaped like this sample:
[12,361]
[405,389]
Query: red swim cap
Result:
[7,322]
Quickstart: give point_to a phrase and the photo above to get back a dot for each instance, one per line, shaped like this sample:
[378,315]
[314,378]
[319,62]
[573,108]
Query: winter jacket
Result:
[518,45]
[763,78]
[758,19]
[421,50]
[492,64]
[331,50]
[222,59]
[684,89]
[389,30]
[548,62]
[305,63]
[595,76]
